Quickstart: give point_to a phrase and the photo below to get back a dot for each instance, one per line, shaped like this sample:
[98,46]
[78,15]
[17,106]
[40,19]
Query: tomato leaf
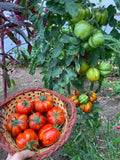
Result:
[117,2]
[71,7]
[56,71]
[57,50]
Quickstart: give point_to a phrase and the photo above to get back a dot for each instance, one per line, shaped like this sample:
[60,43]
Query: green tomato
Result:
[80,16]
[93,74]
[104,17]
[83,98]
[86,46]
[83,30]
[105,68]
[97,16]
[96,40]
[84,67]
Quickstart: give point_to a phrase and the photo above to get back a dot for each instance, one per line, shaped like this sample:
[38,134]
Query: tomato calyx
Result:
[30,145]
[56,126]
[36,119]
[25,103]
[15,122]
[56,114]
[42,98]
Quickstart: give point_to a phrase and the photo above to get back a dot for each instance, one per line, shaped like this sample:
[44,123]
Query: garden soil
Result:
[23,80]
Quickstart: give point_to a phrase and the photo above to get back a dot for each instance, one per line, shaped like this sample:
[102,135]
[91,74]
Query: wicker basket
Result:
[8,107]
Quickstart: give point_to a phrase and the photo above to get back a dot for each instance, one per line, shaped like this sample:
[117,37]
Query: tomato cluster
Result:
[84,100]
[36,122]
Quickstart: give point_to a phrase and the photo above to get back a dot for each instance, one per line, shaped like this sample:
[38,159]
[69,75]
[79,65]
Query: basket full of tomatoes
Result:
[36,119]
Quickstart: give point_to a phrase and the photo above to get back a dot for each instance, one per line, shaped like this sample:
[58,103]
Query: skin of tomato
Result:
[43,106]
[93,96]
[74,98]
[37,126]
[15,130]
[48,135]
[93,74]
[86,107]
[55,115]
[24,109]
[27,136]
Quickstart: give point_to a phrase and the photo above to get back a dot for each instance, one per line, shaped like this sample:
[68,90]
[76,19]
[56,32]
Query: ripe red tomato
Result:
[17,123]
[92,96]
[55,115]
[74,98]
[86,107]
[36,121]
[25,106]
[27,140]
[48,134]
[43,103]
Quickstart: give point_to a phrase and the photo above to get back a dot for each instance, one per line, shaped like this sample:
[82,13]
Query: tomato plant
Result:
[36,120]
[27,140]
[25,106]
[86,107]
[48,134]
[56,115]
[17,123]
[43,103]
[83,68]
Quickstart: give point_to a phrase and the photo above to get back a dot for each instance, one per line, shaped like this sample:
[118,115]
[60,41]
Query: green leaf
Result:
[34,2]
[71,7]
[72,49]
[76,84]
[7,78]
[117,2]
[56,71]
[68,60]
[55,8]
[8,6]
[57,50]
[53,62]
[41,29]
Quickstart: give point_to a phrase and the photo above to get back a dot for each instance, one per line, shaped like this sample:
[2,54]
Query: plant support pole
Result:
[3,70]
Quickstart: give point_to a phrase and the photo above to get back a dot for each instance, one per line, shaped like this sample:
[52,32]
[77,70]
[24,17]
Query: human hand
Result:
[21,155]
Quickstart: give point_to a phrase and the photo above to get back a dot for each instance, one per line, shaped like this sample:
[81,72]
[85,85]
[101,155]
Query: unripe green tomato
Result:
[104,17]
[93,74]
[97,16]
[83,30]
[86,46]
[96,40]
[83,98]
[105,68]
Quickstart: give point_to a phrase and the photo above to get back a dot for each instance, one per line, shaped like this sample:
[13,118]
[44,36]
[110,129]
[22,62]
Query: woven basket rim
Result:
[64,137]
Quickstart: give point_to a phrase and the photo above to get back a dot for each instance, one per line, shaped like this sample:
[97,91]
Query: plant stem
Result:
[3,69]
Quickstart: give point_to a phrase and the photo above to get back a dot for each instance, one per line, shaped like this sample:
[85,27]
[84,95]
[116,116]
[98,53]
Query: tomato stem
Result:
[42,98]
[36,119]
[25,103]
[15,122]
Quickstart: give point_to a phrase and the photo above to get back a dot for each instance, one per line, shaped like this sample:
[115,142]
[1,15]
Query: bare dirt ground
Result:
[24,80]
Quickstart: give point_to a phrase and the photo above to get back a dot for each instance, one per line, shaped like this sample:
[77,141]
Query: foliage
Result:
[56,42]
[11,26]
[88,142]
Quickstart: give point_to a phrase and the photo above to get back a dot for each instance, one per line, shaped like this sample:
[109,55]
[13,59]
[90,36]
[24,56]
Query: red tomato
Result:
[118,127]
[74,98]
[36,121]
[86,107]
[55,115]
[92,96]
[43,103]
[27,140]
[48,135]
[25,106]
[17,123]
